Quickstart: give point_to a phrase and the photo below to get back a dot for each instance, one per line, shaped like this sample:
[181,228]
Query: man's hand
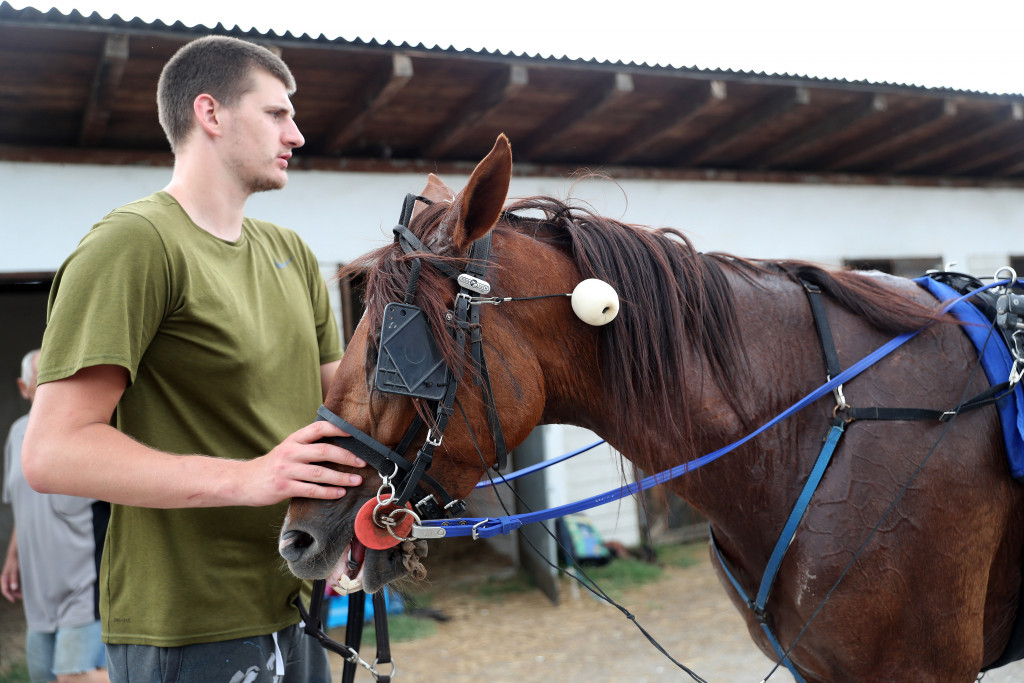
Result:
[299,467]
[10,588]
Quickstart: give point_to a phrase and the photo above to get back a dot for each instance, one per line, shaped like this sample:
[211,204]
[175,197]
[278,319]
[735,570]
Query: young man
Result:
[209,339]
[51,565]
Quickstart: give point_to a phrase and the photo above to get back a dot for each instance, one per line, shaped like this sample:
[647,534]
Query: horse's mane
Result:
[673,298]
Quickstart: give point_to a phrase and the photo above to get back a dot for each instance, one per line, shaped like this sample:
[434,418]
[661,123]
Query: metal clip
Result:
[419,531]
[1016,372]
[841,403]
[431,440]
[1011,276]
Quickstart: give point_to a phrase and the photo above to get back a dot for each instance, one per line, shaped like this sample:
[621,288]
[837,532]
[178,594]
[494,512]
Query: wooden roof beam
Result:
[717,140]
[1010,115]
[819,133]
[677,115]
[105,83]
[493,95]
[997,150]
[592,103]
[903,130]
[378,95]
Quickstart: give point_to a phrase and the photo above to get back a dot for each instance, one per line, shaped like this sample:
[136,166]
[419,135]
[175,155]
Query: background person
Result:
[209,338]
[51,564]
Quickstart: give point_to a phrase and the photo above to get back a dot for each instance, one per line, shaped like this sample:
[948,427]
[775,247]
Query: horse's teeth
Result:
[344,585]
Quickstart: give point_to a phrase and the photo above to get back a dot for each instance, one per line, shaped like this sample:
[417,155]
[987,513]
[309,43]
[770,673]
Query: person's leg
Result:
[39,656]
[79,655]
[244,660]
[305,659]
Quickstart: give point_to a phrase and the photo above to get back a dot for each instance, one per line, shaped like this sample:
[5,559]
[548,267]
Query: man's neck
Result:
[213,202]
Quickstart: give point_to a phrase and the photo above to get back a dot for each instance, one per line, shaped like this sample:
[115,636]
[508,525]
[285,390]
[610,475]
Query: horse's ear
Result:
[484,195]
[436,191]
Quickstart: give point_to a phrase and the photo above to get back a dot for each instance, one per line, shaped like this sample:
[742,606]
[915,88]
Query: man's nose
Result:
[293,137]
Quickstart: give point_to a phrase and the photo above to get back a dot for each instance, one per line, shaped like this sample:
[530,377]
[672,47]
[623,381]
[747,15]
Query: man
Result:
[53,569]
[199,331]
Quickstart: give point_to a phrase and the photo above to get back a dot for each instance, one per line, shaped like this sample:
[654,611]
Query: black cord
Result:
[589,583]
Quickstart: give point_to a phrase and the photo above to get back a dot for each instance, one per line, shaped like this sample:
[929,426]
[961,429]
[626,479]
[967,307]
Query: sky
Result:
[963,45]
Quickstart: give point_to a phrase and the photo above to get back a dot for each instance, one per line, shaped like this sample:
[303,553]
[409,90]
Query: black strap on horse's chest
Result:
[852,413]
[313,627]
[844,414]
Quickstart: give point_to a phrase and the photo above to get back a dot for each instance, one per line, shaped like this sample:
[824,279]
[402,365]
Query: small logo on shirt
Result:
[279,264]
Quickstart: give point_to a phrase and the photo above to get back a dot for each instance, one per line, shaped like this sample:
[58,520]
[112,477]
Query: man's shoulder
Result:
[151,209]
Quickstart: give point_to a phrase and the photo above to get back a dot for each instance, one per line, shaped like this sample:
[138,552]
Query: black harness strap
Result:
[384,460]
[850,413]
[380,622]
[354,632]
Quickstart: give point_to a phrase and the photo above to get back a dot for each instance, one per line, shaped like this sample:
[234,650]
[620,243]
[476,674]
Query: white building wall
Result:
[48,207]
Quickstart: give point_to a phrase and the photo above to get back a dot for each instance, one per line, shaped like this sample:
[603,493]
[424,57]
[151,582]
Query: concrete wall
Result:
[48,207]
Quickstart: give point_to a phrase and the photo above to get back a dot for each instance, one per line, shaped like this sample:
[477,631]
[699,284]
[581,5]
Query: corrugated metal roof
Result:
[363,103]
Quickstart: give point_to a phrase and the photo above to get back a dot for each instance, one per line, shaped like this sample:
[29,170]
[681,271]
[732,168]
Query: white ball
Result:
[595,302]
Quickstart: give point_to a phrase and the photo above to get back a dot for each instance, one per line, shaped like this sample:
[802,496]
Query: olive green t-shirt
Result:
[223,342]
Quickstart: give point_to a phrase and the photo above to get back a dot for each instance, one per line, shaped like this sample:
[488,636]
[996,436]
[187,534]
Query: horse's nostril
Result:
[294,544]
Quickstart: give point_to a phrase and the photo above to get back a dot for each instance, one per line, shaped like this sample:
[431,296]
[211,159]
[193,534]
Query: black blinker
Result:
[409,362]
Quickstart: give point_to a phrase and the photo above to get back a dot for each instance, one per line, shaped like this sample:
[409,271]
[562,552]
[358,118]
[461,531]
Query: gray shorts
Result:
[291,657]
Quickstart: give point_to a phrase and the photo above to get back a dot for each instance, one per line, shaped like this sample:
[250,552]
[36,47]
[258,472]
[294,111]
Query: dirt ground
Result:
[525,638]
[522,637]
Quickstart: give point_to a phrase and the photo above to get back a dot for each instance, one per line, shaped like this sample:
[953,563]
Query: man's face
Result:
[260,134]
[28,391]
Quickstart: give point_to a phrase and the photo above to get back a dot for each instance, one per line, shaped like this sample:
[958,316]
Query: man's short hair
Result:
[26,366]
[218,66]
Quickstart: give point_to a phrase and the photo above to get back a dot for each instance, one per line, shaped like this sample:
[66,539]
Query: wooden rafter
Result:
[929,118]
[818,134]
[1001,151]
[746,124]
[592,103]
[492,96]
[681,112]
[106,80]
[1007,116]
[378,96]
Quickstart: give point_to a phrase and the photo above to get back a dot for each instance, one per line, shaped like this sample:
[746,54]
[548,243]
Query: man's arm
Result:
[327,371]
[71,448]
[9,586]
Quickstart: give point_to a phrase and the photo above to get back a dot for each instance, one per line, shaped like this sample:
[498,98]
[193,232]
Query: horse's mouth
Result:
[347,575]
[367,569]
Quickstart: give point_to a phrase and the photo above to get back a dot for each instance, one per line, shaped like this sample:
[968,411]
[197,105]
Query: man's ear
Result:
[23,388]
[207,111]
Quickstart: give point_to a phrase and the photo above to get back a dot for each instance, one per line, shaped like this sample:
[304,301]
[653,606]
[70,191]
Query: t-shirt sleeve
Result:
[327,333]
[107,299]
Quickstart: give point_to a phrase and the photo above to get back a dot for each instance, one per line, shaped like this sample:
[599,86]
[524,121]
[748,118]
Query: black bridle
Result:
[409,363]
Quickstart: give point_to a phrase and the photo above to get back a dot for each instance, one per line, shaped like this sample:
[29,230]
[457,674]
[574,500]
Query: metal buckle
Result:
[473,283]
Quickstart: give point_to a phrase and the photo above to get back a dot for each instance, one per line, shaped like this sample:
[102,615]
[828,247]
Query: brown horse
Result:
[706,348]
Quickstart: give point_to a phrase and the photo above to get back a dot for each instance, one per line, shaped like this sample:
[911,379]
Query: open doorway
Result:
[22,318]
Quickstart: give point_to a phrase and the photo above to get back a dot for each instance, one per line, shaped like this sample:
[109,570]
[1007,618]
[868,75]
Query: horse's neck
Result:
[785,362]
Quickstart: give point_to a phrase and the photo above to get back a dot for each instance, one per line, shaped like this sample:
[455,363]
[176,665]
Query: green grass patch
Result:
[401,628]
[623,573]
[16,673]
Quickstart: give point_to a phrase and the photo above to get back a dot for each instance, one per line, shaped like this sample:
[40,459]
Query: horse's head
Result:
[442,240]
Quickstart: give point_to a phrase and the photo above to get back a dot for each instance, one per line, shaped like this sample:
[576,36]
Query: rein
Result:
[406,335]
[486,527]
